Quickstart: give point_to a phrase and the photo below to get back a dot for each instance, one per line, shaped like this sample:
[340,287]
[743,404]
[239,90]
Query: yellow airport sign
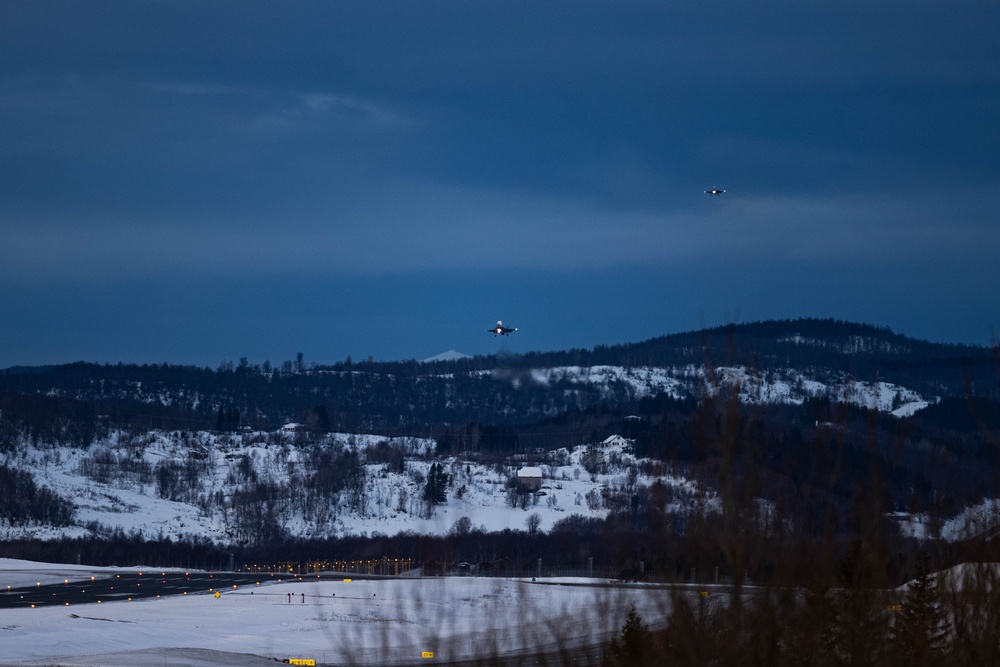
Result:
[300,661]
[427,654]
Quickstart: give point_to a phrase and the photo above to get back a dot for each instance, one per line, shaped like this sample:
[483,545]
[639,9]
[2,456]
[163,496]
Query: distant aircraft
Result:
[714,192]
[500,329]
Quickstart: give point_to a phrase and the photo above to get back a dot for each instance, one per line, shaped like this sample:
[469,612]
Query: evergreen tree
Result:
[631,648]
[436,487]
[920,632]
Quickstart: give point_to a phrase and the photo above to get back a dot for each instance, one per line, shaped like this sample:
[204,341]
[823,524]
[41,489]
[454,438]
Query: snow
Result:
[450,355]
[357,622]
[970,522]
[393,498]
[909,409]
[754,386]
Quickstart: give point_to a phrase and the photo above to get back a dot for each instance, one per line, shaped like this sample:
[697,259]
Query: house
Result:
[529,478]
[616,441]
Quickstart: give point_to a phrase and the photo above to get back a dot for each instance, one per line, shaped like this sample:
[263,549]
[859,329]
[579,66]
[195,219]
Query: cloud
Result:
[425,227]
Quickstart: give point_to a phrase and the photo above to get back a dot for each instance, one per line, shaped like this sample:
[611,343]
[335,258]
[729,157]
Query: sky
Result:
[191,182]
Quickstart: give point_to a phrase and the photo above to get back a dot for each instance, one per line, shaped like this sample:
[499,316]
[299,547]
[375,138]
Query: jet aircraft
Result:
[715,192]
[500,329]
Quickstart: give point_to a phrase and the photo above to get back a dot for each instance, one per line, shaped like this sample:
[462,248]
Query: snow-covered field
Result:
[356,622]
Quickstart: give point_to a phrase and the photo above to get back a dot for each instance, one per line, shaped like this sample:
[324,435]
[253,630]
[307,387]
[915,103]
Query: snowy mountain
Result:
[450,355]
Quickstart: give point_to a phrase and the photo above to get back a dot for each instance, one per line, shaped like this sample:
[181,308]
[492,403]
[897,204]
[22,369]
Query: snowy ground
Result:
[392,500]
[755,386]
[357,622]
[970,522]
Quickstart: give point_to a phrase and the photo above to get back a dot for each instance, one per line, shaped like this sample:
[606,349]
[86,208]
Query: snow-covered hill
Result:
[753,386]
[200,485]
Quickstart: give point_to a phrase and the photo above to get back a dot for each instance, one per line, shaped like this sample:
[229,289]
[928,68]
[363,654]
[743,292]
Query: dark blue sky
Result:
[190,182]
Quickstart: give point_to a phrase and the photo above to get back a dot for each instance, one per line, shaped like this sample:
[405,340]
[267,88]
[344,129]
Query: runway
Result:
[135,585]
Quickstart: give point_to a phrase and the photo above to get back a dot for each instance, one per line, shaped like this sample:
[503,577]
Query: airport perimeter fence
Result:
[539,569]
[411,567]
